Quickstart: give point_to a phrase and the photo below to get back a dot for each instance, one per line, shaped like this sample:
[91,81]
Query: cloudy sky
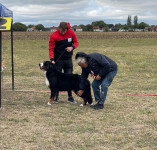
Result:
[51,12]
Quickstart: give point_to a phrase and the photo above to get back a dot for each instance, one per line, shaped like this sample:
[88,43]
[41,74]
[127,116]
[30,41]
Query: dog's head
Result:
[46,65]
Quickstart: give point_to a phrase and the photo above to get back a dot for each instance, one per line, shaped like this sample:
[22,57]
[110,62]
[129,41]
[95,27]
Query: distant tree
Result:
[89,27]
[118,26]
[110,25]
[129,24]
[74,26]
[135,22]
[142,25]
[84,28]
[40,27]
[152,26]
[100,23]
[125,27]
[17,26]
[30,25]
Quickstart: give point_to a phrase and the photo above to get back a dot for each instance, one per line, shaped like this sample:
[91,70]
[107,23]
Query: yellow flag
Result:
[5,23]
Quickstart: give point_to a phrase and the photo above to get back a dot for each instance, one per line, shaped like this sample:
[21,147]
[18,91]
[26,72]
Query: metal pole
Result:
[12,60]
[0,66]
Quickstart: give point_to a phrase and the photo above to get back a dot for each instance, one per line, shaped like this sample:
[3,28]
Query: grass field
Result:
[126,122]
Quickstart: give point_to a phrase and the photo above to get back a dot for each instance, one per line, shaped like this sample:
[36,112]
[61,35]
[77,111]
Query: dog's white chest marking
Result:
[46,80]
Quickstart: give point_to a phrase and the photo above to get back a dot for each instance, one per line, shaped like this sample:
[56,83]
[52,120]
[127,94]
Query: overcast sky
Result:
[51,12]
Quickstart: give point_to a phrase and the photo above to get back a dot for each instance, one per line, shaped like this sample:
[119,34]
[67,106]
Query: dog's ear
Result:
[46,64]
[50,65]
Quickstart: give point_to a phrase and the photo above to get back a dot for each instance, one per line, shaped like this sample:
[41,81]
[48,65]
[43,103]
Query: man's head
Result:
[63,27]
[82,62]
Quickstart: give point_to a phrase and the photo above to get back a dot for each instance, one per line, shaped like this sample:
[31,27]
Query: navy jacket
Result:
[98,64]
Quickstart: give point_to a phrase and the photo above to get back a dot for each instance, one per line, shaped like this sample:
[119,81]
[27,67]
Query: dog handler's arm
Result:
[75,44]
[69,49]
[51,48]
[74,40]
[98,77]
[52,61]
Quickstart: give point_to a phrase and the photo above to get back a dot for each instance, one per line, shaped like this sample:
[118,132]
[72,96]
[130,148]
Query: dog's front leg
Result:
[52,97]
[83,102]
[51,101]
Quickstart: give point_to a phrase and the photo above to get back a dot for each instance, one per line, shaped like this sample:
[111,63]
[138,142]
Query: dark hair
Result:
[63,26]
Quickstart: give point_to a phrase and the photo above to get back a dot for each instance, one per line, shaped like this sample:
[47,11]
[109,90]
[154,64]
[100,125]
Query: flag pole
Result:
[0,67]
[12,58]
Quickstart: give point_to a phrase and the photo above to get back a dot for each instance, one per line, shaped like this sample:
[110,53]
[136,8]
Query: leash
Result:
[60,56]
[139,94]
[48,91]
[38,91]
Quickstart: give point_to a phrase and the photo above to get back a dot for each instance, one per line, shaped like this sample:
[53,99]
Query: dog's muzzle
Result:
[40,65]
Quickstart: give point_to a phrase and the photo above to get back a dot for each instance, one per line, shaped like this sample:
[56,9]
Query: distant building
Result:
[30,29]
[146,29]
[154,29]
[53,28]
[48,28]
[97,29]
[105,28]
[78,29]
[121,30]
[138,30]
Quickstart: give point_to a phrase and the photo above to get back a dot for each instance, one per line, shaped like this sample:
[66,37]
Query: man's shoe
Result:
[94,105]
[71,99]
[99,106]
[56,100]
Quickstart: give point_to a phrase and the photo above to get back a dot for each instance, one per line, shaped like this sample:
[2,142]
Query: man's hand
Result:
[53,62]
[69,49]
[97,77]
[80,92]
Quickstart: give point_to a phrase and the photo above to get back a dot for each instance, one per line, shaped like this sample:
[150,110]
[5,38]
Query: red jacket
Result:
[58,43]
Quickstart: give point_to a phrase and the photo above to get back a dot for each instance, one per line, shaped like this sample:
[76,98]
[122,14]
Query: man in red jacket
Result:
[61,45]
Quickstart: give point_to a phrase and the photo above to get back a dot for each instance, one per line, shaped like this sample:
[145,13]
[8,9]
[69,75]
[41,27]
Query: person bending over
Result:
[102,68]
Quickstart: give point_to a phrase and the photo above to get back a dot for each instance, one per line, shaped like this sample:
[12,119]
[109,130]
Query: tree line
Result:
[130,25]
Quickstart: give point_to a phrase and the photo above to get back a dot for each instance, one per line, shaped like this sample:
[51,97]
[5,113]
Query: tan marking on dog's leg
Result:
[83,102]
[51,101]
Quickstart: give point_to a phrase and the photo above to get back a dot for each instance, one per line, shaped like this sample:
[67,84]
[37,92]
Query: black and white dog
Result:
[58,81]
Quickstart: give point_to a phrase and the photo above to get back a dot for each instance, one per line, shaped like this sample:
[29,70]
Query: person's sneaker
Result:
[93,105]
[99,106]
[56,100]
[71,99]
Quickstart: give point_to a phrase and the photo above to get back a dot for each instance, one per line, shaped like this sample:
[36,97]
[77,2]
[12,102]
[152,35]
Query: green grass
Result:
[126,122]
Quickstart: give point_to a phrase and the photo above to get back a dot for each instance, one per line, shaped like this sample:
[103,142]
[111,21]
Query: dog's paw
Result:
[49,103]
[91,104]
[81,105]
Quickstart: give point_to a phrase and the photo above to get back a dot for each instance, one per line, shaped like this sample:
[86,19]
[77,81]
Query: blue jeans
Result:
[105,83]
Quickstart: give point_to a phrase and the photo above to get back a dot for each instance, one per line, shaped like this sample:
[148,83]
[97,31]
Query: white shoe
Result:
[49,103]
[92,104]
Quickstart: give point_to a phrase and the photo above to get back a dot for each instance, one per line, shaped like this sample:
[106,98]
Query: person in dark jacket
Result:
[102,68]
[62,42]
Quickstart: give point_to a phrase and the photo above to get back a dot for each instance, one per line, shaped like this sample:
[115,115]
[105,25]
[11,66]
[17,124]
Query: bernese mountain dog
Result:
[58,81]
